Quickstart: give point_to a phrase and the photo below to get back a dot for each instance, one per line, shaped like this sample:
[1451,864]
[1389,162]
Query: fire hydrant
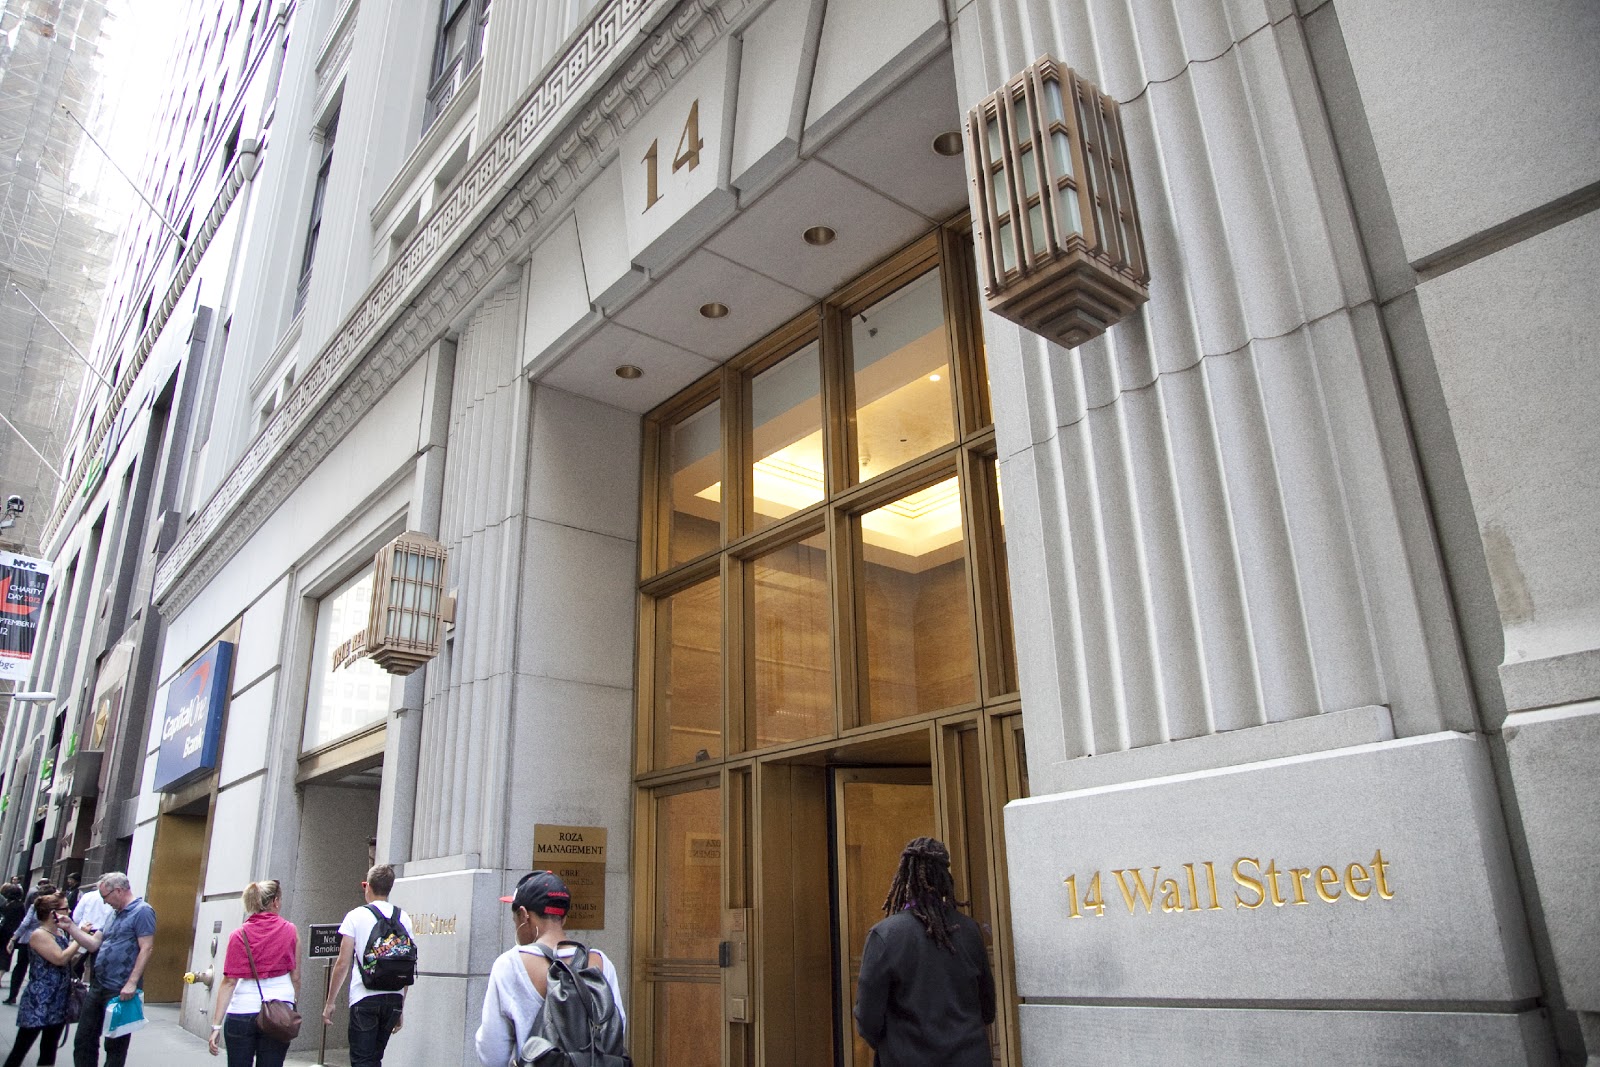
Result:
[203,977]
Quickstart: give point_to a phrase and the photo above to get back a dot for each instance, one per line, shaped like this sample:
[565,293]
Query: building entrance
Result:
[826,665]
[876,811]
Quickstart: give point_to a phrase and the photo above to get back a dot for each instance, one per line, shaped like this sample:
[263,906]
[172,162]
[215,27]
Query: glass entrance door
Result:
[877,810]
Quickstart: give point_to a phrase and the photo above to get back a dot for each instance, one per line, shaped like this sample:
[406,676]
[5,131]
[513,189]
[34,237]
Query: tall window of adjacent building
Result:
[319,195]
[458,50]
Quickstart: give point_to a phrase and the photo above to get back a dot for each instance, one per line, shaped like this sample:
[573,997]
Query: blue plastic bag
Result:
[123,1017]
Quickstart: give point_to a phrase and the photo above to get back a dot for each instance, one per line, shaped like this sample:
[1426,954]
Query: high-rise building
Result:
[57,234]
[654,374]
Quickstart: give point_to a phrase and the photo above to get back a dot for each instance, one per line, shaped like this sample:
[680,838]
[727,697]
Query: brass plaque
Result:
[578,855]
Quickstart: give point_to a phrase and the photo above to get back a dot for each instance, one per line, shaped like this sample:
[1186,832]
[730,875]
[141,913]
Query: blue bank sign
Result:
[191,726]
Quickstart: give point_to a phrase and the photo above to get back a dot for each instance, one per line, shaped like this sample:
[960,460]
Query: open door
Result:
[877,810]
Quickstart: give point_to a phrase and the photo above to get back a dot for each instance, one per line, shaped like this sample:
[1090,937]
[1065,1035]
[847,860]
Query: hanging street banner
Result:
[23,582]
[191,726]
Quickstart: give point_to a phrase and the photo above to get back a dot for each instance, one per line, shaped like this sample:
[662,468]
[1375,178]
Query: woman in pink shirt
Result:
[274,945]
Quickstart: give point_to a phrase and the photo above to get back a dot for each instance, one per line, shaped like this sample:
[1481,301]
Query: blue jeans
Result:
[248,1046]
[372,1020]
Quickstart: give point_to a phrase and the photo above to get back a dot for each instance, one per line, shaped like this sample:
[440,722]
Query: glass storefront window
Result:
[792,645]
[917,617]
[688,690]
[693,484]
[786,437]
[356,696]
[900,356]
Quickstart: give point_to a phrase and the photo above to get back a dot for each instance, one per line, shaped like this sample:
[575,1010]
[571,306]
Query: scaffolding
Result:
[56,241]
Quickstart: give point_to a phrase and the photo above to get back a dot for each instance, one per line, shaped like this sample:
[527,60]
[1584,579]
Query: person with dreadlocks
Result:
[926,992]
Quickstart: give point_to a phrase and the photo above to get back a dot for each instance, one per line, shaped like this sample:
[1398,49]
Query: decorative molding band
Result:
[335,50]
[483,226]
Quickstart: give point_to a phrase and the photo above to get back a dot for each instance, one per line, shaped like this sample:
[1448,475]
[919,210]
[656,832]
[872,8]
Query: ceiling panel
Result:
[767,237]
[589,370]
[670,309]
[891,146]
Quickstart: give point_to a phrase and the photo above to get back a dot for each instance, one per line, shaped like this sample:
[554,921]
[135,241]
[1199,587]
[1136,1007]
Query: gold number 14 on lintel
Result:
[688,155]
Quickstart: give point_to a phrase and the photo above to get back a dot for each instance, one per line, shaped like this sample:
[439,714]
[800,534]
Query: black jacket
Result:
[11,918]
[919,1004]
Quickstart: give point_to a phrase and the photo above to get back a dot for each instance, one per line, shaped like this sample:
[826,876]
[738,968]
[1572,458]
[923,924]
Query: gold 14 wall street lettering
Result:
[1254,882]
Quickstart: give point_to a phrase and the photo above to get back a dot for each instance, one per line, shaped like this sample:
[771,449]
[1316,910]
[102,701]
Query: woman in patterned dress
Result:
[43,1008]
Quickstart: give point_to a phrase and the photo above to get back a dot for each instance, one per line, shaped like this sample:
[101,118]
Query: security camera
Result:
[15,505]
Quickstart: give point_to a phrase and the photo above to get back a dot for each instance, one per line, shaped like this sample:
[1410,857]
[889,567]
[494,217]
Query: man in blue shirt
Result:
[122,950]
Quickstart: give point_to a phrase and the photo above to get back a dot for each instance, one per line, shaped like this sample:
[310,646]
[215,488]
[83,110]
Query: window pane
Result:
[920,653]
[793,652]
[455,36]
[356,696]
[688,920]
[974,346]
[901,358]
[1005,679]
[688,706]
[688,1023]
[786,437]
[694,484]
[974,859]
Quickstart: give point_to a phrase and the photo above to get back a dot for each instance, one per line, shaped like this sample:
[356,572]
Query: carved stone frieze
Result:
[336,51]
[487,222]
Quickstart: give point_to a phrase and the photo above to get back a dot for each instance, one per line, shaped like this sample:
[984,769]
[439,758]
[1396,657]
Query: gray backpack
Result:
[579,1024]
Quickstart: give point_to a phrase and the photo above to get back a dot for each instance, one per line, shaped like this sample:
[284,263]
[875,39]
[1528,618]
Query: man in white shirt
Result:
[92,912]
[374,1014]
[94,915]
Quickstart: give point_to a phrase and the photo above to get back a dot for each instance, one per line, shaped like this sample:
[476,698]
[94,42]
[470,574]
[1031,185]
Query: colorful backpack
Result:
[389,962]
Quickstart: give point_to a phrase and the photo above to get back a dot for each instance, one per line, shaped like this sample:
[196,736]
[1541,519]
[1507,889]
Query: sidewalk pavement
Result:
[163,1043]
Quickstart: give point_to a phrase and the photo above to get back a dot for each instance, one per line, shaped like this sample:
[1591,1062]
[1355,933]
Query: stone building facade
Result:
[1244,653]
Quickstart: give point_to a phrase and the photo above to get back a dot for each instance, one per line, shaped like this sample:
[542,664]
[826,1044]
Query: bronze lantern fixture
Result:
[1059,245]
[409,611]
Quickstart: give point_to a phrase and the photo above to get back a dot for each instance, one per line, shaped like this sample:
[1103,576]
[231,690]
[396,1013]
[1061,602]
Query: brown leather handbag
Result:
[277,1018]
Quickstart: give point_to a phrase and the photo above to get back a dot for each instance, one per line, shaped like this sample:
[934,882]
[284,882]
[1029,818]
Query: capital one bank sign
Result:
[191,725]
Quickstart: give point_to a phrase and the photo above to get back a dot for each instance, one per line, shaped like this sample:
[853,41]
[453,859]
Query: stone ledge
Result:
[1554,759]
[1542,683]
[1374,874]
[1175,1037]
[1274,740]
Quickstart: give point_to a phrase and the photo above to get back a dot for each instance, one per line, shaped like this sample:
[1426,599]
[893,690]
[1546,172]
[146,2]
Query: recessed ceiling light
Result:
[629,372]
[819,235]
[714,310]
[933,377]
[948,144]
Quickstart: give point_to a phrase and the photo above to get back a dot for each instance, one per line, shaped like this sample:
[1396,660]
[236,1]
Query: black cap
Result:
[542,893]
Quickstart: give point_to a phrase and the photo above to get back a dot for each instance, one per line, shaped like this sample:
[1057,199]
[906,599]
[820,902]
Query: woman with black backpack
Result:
[516,1027]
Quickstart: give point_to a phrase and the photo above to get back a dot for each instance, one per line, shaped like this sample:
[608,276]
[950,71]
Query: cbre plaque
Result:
[578,855]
